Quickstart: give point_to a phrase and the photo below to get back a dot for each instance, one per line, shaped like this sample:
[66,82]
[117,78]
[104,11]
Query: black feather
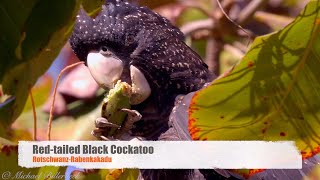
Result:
[158,48]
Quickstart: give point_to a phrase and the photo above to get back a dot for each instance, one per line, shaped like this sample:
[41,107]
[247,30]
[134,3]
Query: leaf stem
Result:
[34,116]
[54,96]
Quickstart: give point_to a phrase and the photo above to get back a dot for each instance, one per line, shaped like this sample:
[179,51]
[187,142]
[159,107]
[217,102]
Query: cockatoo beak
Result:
[105,70]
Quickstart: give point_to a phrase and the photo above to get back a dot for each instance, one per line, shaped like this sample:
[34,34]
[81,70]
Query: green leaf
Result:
[122,174]
[30,41]
[129,174]
[40,92]
[5,111]
[9,165]
[272,94]
[92,6]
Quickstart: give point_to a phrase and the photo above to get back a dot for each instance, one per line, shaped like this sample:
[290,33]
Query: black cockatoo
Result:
[135,44]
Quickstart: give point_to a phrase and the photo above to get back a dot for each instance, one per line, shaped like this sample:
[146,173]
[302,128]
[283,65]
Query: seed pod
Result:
[116,99]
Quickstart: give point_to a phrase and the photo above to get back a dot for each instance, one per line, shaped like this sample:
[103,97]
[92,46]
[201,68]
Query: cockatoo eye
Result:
[105,51]
[129,40]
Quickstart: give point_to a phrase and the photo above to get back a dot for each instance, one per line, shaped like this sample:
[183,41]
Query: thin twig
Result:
[193,26]
[34,116]
[248,12]
[54,96]
[213,50]
[232,21]
[272,20]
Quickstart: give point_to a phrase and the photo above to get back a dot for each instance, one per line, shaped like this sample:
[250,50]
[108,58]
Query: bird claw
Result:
[133,115]
[123,132]
[102,122]
[97,132]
